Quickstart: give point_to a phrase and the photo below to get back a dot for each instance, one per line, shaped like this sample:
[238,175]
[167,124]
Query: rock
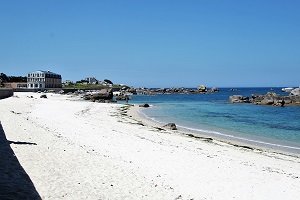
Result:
[238,99]
[43,96]
[267,101]
[295,99]
[295,92]
[170,126]
[287,99]
[279,102]
[144,105]
[270,98]
[214,89]
[202,88]
[104,94]
[271,94]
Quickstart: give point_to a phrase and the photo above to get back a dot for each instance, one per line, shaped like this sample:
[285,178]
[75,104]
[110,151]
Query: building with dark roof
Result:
[43,80]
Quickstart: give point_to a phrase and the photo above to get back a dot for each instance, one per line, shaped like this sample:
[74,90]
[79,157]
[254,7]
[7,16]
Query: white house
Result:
[43,79]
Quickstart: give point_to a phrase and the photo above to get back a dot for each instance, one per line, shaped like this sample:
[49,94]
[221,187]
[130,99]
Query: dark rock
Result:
[43,96]
[145,105]
[170,126]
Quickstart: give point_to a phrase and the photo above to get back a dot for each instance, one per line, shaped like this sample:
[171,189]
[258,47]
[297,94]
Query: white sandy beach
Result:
[91,150]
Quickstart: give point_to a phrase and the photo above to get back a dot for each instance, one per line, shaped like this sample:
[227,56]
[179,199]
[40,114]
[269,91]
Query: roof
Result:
[45,72]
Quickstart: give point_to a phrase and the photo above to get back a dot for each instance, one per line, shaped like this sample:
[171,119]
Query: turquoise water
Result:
[275,127]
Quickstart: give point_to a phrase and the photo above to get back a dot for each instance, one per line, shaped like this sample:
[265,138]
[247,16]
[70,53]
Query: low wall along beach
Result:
[4,93]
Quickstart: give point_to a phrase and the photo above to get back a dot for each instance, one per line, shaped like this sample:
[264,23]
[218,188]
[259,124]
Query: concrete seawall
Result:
[4,93]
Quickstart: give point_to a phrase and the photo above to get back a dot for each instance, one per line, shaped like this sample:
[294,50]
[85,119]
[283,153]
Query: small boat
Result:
[288,89]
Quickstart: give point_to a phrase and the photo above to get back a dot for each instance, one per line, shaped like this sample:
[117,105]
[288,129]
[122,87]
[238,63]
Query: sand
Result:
[87,150]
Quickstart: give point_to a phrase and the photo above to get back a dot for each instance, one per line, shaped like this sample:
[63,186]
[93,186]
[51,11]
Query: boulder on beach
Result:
[171,126]
[104,94]
[145,105]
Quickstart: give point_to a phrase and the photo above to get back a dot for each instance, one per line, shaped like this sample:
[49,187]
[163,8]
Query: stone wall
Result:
[4,93]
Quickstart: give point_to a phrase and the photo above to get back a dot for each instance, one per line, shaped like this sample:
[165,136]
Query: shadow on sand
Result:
[14,181]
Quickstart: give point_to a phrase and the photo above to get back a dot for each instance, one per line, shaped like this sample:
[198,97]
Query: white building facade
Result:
[43,79]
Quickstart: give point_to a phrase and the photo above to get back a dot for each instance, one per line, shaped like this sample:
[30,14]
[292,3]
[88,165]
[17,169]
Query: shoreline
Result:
[87,150]
[256,145]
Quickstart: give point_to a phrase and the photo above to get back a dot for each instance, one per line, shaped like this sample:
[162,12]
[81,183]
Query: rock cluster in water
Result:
[270,98]
[153,91]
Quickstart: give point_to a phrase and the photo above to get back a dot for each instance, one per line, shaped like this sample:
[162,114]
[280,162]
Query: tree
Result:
[3,78]
[108,81]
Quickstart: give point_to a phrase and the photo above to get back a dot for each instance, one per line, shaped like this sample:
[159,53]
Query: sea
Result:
[214,116]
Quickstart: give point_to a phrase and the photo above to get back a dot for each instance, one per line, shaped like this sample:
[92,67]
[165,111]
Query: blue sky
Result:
[155,43]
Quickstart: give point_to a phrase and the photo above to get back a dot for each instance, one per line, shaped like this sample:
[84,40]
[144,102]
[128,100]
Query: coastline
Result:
[237,141]
[87,150]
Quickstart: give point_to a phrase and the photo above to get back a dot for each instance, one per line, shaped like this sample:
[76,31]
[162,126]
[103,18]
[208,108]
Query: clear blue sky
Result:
[156,43]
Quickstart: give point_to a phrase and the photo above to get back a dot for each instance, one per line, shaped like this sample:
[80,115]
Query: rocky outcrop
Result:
[202,88]
[295,99]
[270,98]
[295,92]
[154,91]
[101,96]
[238,99]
